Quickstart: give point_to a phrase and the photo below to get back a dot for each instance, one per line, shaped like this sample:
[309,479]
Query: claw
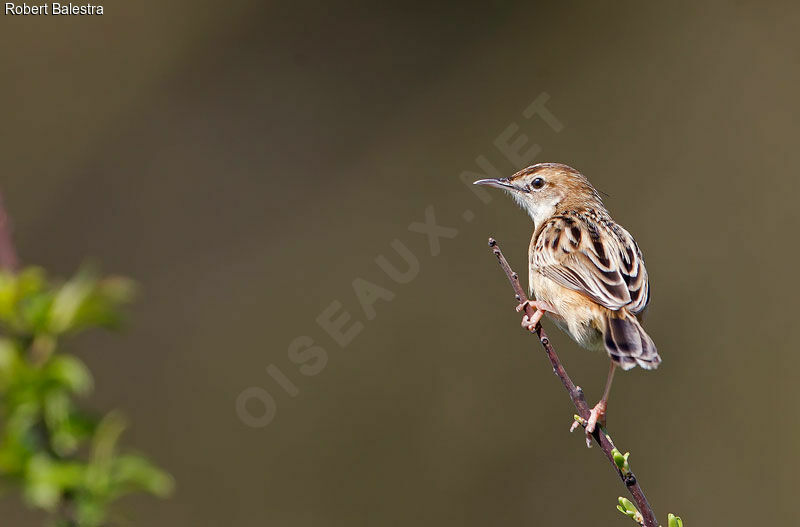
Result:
[535,304]
[530,322]
[597,415]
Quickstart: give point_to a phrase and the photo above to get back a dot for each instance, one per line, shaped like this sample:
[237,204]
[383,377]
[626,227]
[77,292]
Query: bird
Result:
[586,272]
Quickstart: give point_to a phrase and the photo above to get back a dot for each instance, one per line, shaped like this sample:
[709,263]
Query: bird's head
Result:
[546,188]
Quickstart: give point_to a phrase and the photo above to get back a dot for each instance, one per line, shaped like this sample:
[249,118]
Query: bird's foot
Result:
[596,415]
[530,322]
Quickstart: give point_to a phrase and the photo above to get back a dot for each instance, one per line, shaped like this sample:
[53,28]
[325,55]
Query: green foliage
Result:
[627,508]
[621,461]
[674,521]
[63,459]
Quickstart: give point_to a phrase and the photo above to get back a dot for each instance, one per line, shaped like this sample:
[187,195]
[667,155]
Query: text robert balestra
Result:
[52,9]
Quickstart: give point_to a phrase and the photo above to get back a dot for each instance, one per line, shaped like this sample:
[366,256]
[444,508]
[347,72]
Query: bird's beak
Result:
[503,183]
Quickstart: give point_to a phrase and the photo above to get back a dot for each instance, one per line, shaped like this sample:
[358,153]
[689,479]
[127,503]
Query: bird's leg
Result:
[541,307]
[598,413]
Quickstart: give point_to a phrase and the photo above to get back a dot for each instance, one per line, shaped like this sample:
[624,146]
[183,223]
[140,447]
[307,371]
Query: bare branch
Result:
[576,394]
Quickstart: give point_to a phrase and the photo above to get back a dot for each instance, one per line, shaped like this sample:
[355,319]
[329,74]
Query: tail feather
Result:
[628,344]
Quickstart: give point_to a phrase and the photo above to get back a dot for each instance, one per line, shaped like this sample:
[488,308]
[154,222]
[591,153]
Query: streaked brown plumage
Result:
[585,271]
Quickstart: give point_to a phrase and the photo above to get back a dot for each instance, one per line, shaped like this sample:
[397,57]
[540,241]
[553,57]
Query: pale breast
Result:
[575,314]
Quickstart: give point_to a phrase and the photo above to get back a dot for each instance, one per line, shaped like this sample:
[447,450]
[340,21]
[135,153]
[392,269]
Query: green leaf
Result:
[103,446]
[56,406]
[70,372]
[68,301]
[65,426]
[14,287]
[621,460]
[30,280]
[10,362]
[625,502]
[114,475]
[18,294]
[674,521]
[8,293]
[48,479]
[85,302]
[34,310]
[629,509]
[136,473]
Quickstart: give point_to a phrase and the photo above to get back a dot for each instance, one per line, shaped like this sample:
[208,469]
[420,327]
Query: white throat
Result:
[538,211]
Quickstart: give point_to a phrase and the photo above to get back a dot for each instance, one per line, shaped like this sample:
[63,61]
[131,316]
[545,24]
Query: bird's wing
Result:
[595,257]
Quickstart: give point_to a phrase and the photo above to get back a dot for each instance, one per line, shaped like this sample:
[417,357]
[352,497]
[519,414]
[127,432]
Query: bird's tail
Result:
[628,344]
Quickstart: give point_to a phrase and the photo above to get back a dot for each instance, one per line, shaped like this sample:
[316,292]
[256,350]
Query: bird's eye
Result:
[537,183]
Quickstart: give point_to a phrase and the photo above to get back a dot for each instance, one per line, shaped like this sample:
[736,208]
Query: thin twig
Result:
[8,255]
[578,399]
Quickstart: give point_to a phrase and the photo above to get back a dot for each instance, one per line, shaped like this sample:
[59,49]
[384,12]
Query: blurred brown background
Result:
[245,162]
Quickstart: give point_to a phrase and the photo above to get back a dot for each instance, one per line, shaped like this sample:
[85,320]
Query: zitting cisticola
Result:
[585,271]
